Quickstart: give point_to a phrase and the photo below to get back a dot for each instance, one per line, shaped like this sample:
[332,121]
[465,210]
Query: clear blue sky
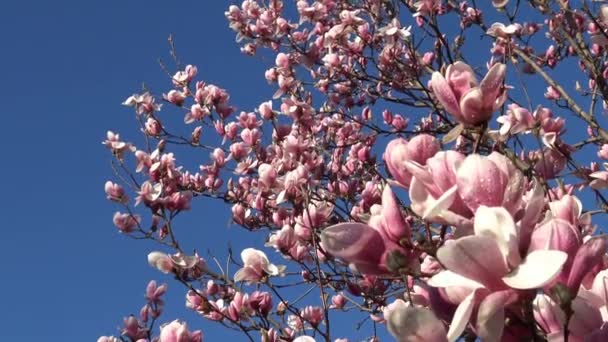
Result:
[65,68]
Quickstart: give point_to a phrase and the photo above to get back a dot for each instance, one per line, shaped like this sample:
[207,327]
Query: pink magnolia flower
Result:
[516,120]
[261,302]
[491,181]
[434,191]
[313,315]
[125,222]
[115,192]
[256,267]
[504,31]
[372,248]
[183,77]
[460,94]
[176,262]
[338,301]
[557,234]
[160,261]
[413,324]
[178,332]
[490,264]
[398,151]
[117,146]
[143,103]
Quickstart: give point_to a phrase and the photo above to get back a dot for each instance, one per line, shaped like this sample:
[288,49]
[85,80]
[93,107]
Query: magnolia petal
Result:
[418,171]
[461,317]
[497,223]
[475,257]
[586,319]
[515,184]
[441,204]
[412,324]
[394,224]
[448,279]
[491,84]
[460,75]
[481,182]
[445,95]
[253,256]
[537,270]
[419,196]
[472,105]
[353,242]
[491,316]
[532,214]
[587,257]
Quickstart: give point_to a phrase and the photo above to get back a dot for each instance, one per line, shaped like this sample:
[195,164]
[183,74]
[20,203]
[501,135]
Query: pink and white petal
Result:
[532,213]
[394,223]
[442,204]
[586,318]
[497,223]
[411,324]
[491,315]
[473,107]
[419,171]
[445,95]
[448,279]
[353,242]
[252,256]
[246,274]
[515,185]
[475,257]
[420,197]
[461,76]
[491,84]
[461,317]
[537,270]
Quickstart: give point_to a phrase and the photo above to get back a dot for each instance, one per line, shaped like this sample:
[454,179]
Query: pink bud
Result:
[338,301]
[590,254]
[176,97]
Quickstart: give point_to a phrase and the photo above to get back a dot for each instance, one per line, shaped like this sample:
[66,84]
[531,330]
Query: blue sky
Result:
[65,68]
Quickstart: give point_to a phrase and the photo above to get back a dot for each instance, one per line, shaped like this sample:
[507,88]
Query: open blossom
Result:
[178,332]
[115,192]
[516,120]
[143,103]
[470,102]
[451,187]
[256,267]
[490,265]
[117,146]
[183,77]
[504,31]
[125,222]
[176,262]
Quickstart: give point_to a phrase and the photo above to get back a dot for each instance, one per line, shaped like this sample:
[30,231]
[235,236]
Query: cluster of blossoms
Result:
[462,218]
[139,329]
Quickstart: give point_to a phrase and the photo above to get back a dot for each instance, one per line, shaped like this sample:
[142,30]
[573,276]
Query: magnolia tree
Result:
[413,167]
